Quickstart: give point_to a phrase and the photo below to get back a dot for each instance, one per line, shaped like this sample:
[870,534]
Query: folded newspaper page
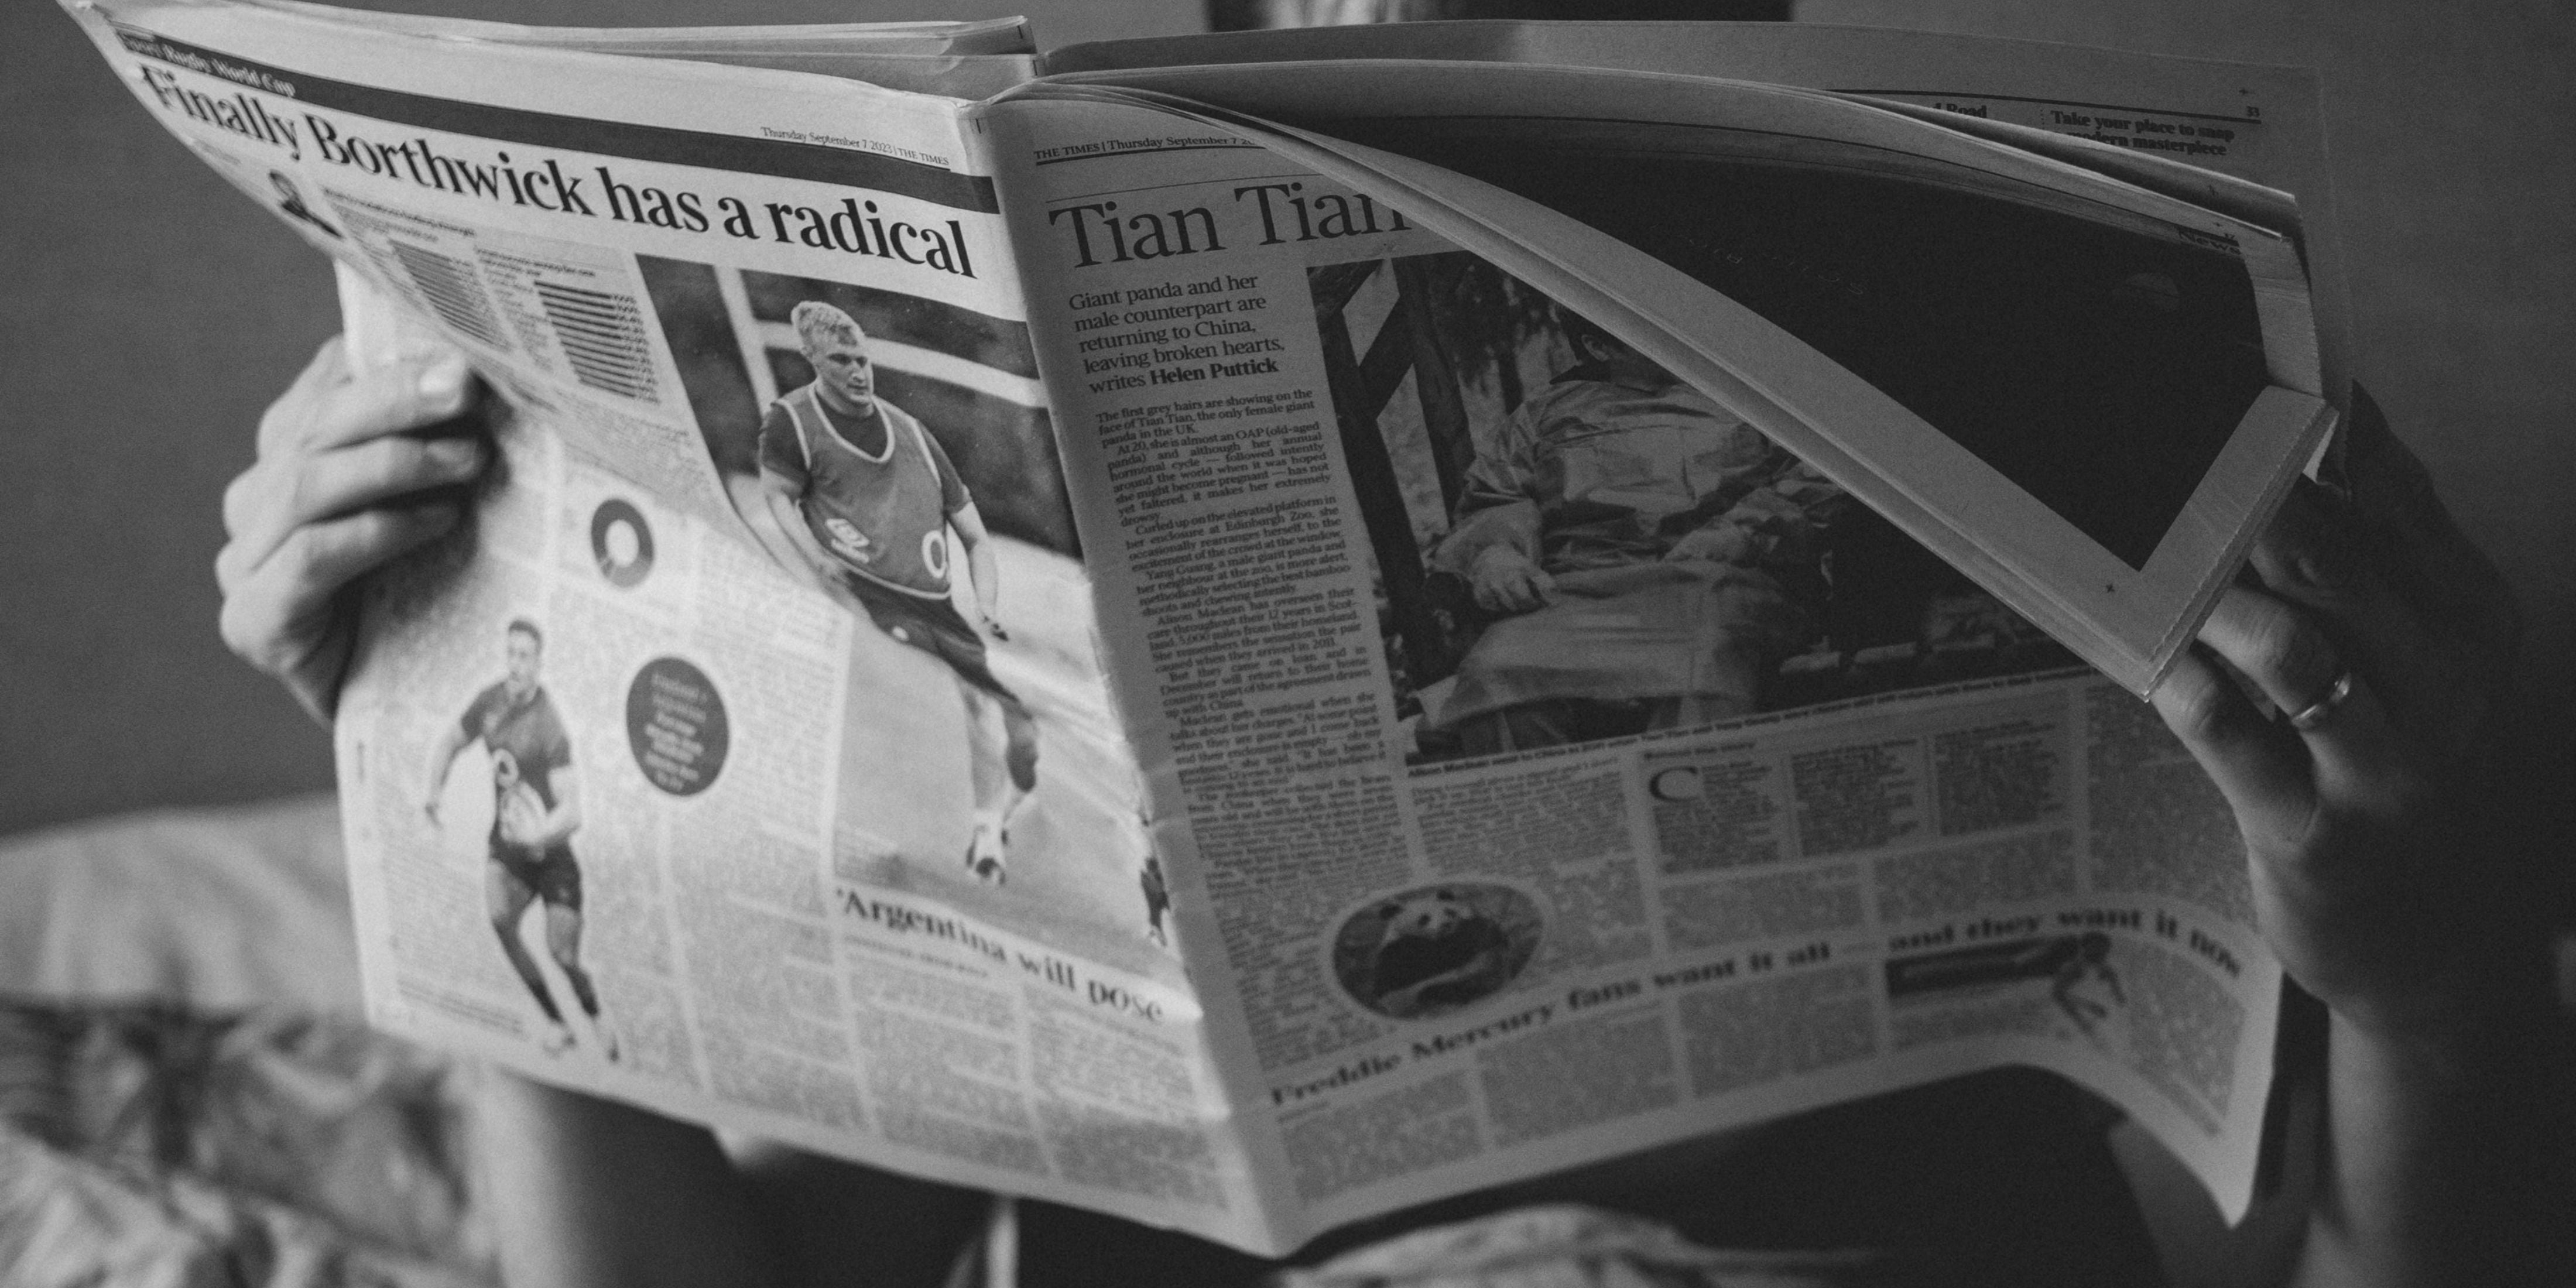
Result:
[1968,291]
[2241,121]
[1155,642]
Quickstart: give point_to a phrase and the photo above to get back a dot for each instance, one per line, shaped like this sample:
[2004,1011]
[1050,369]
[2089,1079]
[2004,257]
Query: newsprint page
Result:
[1051,645]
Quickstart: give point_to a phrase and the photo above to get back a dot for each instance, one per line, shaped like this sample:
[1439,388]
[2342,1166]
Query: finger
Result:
[345,479]
[329,366]
[277,596]
[411,395]
[2313,556]
[2260,767]
[2439,567]
[2283,651]
[271,498]
[276,610]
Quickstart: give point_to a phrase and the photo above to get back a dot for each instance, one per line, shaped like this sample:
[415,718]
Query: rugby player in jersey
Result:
[535,809]
[871,502]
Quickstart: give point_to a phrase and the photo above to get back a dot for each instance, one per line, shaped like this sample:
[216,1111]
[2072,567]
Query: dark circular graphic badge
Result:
[676,724]
[621,543]
[1436,949]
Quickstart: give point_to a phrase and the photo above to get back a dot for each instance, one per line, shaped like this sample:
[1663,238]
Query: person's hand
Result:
[1505,581]
[1725,543]
[353,470]
[2387,639]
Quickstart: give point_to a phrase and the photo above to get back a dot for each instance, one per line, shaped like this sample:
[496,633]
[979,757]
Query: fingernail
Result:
[2311,543]
[455,453]
[444,382]
[2327,563]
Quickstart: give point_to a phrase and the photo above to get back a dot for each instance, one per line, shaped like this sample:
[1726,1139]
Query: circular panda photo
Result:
[1437,949]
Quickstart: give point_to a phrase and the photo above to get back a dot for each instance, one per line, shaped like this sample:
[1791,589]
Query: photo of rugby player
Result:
[895,452]
[536,808]
[868,499]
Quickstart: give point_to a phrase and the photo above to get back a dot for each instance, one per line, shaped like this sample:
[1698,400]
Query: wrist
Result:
[2437,1145]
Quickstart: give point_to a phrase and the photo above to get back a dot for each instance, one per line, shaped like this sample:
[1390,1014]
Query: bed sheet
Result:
[187,1092]
[215,910]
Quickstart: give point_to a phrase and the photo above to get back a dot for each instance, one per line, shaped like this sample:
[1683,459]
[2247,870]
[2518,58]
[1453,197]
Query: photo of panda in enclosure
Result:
[1571,544]
[1427,952]
[894,452]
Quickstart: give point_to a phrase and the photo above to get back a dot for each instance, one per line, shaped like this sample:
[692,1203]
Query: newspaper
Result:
[1151,642]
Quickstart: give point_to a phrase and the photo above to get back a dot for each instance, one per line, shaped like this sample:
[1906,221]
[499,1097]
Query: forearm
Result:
[442,758]
[2444,1121]
[788,516]
[561,822]
[817,560]
[2432,1146]
[987,577]
[1512,525]
[585,1192]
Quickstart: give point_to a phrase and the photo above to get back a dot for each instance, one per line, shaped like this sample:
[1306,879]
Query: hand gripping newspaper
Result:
[1259,631]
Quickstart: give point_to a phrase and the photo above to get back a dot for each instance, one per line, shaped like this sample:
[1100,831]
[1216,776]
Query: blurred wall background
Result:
[148,313]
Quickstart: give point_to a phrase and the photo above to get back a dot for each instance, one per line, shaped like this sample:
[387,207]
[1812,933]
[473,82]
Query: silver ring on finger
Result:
[2316,714]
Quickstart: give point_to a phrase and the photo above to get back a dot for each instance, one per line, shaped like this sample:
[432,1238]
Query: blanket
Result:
[188,1097]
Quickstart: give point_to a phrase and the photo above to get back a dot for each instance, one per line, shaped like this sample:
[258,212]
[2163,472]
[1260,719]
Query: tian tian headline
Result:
[1103,234]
